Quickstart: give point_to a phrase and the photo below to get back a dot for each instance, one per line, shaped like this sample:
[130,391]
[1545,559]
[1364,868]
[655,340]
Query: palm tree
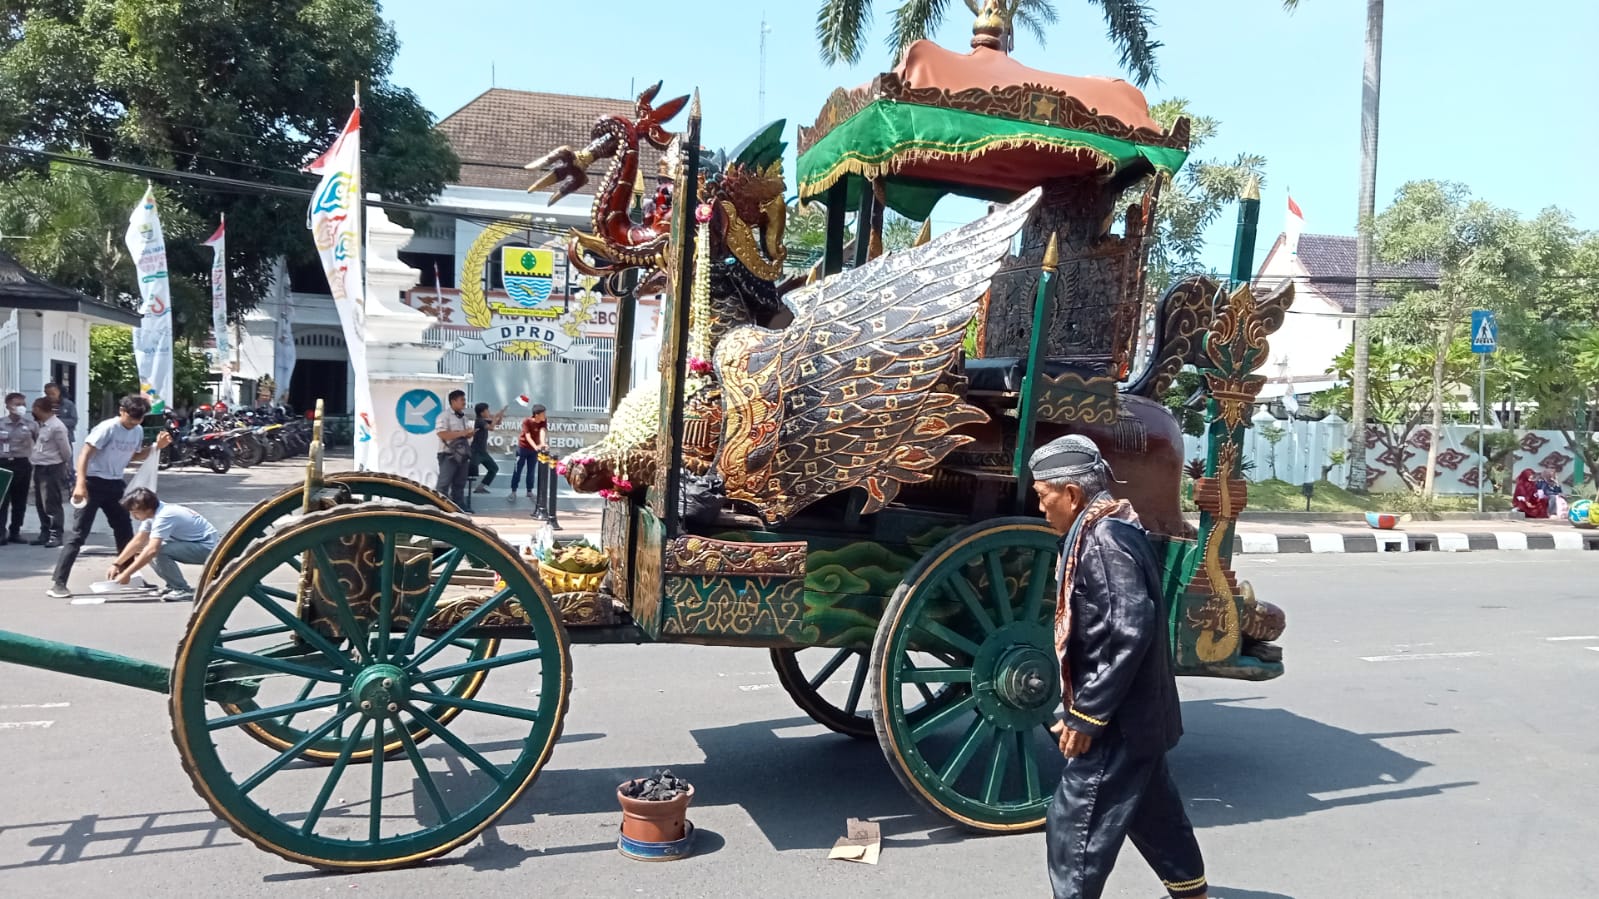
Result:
[73,219]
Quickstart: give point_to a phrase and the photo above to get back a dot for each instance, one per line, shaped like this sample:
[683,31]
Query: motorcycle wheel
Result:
[219,463]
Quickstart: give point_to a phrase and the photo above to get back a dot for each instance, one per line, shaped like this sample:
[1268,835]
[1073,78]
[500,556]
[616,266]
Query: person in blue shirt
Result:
[168,534]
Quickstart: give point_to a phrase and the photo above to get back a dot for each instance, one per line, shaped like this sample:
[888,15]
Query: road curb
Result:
[1409,541]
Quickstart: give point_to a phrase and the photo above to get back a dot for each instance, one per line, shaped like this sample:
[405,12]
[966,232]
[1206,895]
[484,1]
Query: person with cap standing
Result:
[1119,693]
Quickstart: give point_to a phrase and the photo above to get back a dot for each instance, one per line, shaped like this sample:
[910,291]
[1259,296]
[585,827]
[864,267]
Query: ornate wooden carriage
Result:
[832,471]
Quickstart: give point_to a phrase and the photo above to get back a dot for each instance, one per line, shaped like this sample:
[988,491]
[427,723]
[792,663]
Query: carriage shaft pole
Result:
[81,661]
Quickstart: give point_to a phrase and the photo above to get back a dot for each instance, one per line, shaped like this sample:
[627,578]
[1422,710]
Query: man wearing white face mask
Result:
[17,433]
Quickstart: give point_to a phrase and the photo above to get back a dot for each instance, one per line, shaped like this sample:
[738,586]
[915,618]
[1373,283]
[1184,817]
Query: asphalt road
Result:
[1437,734]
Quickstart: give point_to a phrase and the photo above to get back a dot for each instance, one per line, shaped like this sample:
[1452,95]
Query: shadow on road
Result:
[1236,764]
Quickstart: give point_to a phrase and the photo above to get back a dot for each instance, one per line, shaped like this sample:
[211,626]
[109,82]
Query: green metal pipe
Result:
[1027,403]
[81,661]
[1244,237]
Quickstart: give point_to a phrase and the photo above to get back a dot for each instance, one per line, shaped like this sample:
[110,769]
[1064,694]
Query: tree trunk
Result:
[1370,97]
[1442,355]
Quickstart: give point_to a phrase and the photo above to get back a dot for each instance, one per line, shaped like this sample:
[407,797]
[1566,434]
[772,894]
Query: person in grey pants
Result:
[52,456]
[168,534]
[455,431]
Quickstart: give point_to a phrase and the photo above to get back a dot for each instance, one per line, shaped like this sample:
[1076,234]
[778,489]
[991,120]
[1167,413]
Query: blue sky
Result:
[1472,91]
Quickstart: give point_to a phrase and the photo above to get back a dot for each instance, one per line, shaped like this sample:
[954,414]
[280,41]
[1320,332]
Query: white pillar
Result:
[408,393]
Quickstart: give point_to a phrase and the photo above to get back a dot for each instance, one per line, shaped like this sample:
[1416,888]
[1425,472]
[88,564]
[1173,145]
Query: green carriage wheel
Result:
[274,512]
[380,675]
[846,670]
[271,512]
[984,599]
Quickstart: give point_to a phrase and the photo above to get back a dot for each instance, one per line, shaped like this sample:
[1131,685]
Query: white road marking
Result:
[1592,648]
[1550,639]
[751,688]
[1422,656]
[62,705]
[20,725]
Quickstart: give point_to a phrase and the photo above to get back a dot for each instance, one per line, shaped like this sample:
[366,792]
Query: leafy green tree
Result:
[250,91]
[1486,258]
[1192,201]
[113,372]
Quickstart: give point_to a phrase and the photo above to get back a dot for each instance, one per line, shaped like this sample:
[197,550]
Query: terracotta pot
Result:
[654,821]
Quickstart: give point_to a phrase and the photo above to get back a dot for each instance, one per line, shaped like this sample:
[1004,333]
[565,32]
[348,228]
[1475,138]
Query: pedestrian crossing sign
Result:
[1484,332]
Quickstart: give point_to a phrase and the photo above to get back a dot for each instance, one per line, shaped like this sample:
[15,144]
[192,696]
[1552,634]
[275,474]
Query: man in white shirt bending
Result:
[106,453]
[168,534]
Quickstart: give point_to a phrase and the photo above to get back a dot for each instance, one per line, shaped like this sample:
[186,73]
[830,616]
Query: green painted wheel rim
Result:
[993,774]
[270,512]
[227,792]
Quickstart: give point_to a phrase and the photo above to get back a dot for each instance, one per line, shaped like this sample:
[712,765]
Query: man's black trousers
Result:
[1106,794]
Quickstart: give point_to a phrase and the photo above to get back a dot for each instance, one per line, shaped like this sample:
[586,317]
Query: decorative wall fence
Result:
[1306,447]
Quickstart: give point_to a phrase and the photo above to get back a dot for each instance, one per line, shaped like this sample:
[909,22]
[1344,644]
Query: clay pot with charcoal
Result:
[655,809]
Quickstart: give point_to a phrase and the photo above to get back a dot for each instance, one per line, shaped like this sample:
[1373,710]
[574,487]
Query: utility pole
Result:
[1370,101]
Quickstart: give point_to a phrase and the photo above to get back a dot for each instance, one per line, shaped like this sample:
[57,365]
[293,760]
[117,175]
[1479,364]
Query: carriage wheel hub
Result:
[1025,679]
[378,689]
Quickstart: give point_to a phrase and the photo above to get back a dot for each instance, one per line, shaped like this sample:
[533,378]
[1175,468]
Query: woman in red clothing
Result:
[1528,499]
[529,444]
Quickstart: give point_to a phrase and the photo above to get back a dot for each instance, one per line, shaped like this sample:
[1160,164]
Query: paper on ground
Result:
[862,842]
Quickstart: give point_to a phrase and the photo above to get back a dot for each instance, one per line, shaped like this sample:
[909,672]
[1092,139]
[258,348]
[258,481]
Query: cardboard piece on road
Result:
[862,842]
[100,591]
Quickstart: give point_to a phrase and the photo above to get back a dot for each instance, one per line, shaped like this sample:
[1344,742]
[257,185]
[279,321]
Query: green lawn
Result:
[1281,496]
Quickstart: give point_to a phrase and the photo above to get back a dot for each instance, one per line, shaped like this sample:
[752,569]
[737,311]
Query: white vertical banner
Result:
[282,334]
[152,340]
[219,309]
[335,226]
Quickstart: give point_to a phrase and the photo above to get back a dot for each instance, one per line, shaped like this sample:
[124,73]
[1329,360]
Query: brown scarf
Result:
[1101,506]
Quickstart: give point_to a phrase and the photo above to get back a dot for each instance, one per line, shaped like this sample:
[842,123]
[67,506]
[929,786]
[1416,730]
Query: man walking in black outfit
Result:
[18,431]
[99,484]
[1122,715]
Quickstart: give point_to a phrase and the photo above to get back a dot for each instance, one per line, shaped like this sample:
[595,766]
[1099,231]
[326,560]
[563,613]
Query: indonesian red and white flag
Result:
[1293,226]
[524,399]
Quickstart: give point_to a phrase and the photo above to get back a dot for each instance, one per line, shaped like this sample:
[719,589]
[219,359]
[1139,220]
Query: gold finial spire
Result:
[925,235]
[694,107]
[992,28]
[1251,189]
[1052,253]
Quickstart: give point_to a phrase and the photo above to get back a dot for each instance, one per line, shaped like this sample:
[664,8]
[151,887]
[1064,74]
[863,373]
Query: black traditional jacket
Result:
[1118,652]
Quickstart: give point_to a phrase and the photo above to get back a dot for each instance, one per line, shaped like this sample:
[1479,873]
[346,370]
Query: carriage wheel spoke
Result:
[293,752]
[304,631]
[1024,741]
[996,588]
[375,821]
[828,669]
[334,773]
[858,683]
[937,676]
[270,630]
[974,604]
[278,593]
[477,665]
[948,637]
[281,666]
[976,734]
[424,775]
[942,717]
[467,752]
[340,601]
[1037,583]
[386,594]
[474,705]
[424,611]
[996,769]
[276,711]
[459,628]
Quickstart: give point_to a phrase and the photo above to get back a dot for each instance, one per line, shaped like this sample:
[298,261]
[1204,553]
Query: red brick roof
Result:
[502,130]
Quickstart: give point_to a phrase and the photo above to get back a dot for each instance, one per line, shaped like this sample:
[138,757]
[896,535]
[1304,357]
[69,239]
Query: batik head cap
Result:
[1066,457]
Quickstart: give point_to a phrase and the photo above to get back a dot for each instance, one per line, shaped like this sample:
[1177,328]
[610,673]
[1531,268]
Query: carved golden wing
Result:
[858,390]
